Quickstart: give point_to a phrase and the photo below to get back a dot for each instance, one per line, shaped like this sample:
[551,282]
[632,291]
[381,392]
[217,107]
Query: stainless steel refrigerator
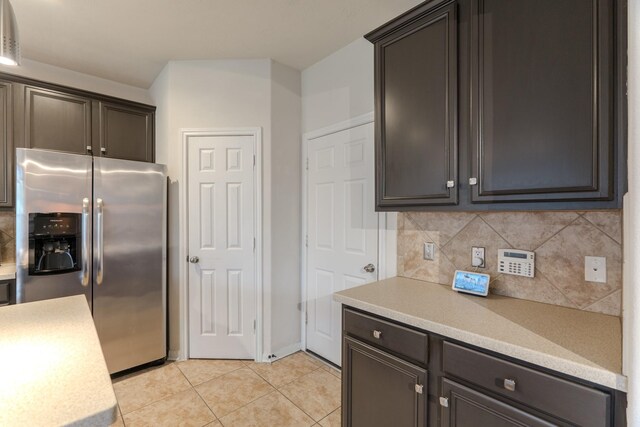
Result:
[97,227]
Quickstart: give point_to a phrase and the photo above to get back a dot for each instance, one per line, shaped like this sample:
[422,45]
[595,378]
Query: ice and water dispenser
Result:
[54,243]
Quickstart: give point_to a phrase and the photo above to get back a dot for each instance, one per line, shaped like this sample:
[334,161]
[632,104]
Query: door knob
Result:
[194,260]
[369,268]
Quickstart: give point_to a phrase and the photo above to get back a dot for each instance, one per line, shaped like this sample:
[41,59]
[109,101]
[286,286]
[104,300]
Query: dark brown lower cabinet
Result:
[468,408]
[385,383]
[380,390]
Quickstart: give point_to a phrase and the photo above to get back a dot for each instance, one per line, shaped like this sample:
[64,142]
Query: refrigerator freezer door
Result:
[50,182]
[129,298]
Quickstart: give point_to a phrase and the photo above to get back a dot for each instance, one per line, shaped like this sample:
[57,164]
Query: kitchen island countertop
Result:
[578,343]
[52,371]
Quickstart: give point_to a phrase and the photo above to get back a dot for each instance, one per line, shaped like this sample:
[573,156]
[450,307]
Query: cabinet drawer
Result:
[572,402]
[397,339]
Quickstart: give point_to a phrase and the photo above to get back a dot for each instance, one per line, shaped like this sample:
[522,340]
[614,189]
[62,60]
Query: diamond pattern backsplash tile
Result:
[560,240]
[7,237]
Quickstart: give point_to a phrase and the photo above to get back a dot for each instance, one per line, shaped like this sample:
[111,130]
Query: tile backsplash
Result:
[7,237]
[560,240]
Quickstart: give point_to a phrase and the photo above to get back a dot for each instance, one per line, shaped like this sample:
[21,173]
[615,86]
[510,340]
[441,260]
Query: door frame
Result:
[387,238]
[185,134]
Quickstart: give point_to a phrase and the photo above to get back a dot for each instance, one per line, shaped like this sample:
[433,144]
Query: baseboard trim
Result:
[283,352]
[174,355]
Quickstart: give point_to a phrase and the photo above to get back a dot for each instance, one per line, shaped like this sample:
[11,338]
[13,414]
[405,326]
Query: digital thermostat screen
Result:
[472,283]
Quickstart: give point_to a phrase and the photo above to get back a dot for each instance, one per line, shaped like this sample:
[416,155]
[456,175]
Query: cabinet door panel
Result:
[541,100]
[57,121]
[6,145]
[126,132]
[416,84]
[470,408]
[379,390]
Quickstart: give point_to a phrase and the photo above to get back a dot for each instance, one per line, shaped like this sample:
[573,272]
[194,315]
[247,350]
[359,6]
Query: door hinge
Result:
[419,388]
[307,164]
[254,244]
[306,317]
[444,402]
[254,160]
[306,241]
[254,326]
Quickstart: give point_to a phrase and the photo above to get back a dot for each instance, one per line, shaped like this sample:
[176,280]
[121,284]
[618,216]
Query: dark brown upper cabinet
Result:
[56,121]
[6,144]
[542,105]
[520,105]
[124,132]
[416,114]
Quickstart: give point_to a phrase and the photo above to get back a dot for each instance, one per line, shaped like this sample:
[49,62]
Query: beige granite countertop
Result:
[7,271]
[52,371]
[578,343]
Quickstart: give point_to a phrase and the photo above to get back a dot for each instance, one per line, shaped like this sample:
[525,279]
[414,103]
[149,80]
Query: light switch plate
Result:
[595,269]
[429,251]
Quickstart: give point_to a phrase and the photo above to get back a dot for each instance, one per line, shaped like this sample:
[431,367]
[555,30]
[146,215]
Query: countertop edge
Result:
[7,271]
[106,416]
[595,375]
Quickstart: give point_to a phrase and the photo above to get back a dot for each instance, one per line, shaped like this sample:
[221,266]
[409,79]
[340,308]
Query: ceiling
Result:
[130,41]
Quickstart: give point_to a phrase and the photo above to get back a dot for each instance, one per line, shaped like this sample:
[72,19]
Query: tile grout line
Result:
[578,216]
[597,301]
[303,411]
[602,231]
[440,247]
[158,400]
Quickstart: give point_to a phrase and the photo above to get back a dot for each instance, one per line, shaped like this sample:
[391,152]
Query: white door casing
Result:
[221,238]
[342,229]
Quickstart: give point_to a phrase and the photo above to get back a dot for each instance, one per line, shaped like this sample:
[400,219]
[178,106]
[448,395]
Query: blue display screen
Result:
[471,282]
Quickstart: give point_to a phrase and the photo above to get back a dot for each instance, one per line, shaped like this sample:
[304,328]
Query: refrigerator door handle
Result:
[85,242]
[100,238]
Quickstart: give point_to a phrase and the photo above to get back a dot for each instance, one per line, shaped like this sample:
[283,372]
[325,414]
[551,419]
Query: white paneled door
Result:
[342,227]
[222,284]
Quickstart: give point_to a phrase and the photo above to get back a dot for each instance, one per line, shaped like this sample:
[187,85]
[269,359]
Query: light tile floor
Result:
[298,390]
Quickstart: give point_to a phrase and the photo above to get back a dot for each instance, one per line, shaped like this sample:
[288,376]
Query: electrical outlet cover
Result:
[477,257]
[595,269]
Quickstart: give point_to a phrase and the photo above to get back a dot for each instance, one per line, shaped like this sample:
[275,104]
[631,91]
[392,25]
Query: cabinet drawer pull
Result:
[377,334]
[510,384]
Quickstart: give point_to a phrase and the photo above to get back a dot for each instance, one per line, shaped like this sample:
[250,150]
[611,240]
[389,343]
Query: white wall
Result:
[229,94]
[285,195]
[339,87]
[62,76]
[631,296]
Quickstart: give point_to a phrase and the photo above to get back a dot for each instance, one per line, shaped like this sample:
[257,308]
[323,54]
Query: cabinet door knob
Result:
[451,184]
[510,384]
[419,388]
[377,334]
[89,148]
[103,150]
[444,402]
[473,181]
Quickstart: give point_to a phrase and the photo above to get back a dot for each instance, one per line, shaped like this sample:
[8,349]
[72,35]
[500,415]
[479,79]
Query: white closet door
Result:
[222,288]
[342,230]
